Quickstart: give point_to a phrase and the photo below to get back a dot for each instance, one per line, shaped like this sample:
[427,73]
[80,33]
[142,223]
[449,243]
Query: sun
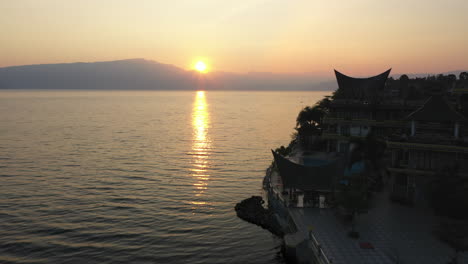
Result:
[201,66]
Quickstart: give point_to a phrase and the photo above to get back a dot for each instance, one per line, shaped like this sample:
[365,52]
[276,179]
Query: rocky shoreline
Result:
[252,211]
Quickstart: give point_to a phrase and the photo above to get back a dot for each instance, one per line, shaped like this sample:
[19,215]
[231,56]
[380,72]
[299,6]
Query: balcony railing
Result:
[318,251]
[432,138]
[368,122]
[433,146]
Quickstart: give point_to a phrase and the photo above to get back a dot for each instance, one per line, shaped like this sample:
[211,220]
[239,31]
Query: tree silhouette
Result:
[310,116]
[354,198]
[404,78]
[463,76]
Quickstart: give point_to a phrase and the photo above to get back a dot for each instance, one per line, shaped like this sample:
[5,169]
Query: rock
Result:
[252,211]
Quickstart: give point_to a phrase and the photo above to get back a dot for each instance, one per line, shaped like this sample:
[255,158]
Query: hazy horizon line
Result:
[304,73]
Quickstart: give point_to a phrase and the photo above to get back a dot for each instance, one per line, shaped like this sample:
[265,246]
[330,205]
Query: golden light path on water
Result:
[200,145]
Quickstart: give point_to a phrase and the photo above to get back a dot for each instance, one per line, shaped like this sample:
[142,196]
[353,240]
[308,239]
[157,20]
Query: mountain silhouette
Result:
[141,74]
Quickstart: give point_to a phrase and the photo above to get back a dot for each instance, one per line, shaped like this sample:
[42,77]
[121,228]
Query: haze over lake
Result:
[138,177]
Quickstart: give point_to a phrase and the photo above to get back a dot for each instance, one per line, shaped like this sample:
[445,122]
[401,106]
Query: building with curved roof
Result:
[366,89]
[359,107]
[436,108]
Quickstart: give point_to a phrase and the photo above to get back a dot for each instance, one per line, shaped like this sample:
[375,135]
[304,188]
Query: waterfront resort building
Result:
[361,106]
[425,142]
[434,142]
[423,135]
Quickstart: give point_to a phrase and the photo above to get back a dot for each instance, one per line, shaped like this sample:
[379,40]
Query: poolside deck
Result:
[398,234]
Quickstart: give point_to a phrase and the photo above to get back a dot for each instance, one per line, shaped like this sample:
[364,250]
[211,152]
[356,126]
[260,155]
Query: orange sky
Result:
[359,37]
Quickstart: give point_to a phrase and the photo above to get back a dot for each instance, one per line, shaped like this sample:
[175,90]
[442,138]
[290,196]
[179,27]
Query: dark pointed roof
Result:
[361,88]
[436,108]
[319,177]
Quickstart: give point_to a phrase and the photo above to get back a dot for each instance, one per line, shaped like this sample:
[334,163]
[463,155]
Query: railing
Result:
[333,136]
[412,171]
[427,146]
[317,248]
[369,122]
[337,136]
[402,164]
[460,90]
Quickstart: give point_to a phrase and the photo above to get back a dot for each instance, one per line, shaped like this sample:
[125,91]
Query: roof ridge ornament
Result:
[363,89]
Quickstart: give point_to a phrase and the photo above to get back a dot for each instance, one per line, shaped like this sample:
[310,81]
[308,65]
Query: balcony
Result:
[342,136]
[365,122]
[432,144]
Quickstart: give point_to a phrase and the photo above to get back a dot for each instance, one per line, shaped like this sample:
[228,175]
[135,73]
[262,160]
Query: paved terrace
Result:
[398,234]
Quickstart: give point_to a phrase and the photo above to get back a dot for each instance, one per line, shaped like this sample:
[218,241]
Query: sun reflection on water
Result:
[200,146]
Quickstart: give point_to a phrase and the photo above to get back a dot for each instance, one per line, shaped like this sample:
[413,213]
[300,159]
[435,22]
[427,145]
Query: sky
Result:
[358,37]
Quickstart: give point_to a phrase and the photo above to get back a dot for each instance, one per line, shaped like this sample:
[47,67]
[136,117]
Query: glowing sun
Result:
[201,66]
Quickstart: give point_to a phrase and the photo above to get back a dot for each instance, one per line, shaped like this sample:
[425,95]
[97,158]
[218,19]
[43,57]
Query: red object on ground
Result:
[366,245]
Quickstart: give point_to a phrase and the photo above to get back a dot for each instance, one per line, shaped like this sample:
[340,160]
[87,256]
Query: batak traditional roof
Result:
[436,109]
[361,88]
[319,177]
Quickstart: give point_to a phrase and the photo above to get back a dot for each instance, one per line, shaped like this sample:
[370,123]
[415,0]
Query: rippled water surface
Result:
[137,177]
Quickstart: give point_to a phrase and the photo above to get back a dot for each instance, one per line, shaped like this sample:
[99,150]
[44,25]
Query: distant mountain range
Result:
[141,74]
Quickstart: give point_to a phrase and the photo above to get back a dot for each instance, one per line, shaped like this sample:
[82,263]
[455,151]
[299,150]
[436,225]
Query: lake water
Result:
[138,176]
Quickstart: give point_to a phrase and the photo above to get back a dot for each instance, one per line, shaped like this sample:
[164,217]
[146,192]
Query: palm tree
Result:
[310,116]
